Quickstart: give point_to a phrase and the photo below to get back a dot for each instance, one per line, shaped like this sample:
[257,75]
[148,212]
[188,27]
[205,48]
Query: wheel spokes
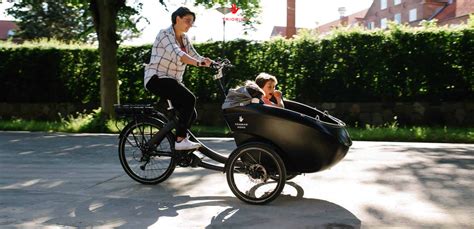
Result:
[251,172]
[140,160]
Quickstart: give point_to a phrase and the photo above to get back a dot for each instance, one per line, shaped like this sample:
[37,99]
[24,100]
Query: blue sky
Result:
[309,13]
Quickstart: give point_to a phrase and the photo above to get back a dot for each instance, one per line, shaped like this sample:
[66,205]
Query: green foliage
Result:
[85,122]
[46,19]
[68,20]
[80,122]
[94,122]
[401,64]
[413,134]
[45,73]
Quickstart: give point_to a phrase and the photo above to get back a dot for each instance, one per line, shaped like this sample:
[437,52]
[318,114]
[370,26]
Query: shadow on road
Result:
[170,211]
[76,180]
[437,177]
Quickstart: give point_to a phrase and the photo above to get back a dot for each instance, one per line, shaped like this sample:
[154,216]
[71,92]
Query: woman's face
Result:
[185,23]
[269,88]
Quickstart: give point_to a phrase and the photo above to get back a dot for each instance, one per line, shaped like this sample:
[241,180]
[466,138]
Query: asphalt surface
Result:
[57,180]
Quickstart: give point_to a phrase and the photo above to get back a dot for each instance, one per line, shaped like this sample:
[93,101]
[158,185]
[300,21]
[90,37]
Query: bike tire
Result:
[133,137]
[270,164]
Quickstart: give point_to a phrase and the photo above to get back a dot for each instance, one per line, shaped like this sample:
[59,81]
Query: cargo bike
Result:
[273,144]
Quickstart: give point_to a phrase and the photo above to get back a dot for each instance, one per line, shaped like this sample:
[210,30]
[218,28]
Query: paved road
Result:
[75,180]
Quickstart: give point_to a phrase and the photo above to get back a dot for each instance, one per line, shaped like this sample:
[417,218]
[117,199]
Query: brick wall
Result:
[464,7]
[375,14]
[425,10]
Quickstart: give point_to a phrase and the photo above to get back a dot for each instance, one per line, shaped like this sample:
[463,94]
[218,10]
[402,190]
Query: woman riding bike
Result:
[172,51]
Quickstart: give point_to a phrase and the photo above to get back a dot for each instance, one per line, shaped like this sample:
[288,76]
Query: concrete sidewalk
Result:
[76,180]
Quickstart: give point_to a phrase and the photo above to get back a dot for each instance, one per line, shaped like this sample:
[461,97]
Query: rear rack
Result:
[130,110]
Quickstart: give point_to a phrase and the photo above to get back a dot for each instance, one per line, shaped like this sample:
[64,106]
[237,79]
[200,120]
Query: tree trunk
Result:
[105,13]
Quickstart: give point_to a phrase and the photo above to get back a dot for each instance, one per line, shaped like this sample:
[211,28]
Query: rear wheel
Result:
[250,169]
[142,163]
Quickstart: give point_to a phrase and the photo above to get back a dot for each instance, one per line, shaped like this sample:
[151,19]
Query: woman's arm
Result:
[187,59]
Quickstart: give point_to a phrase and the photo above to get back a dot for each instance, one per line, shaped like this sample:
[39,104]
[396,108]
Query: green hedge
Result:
[398,65]
[47,74]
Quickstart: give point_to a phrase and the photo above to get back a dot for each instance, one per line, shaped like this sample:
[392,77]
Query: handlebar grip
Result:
[214,65]
[221,63]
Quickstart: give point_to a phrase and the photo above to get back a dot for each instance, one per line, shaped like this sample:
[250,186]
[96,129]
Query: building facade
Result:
[412,12]
[350,20]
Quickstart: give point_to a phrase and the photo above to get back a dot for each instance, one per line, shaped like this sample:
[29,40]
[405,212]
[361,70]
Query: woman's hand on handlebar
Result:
[221,63]
[206,62]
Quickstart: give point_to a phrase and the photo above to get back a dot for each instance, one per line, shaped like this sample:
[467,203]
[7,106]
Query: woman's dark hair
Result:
[181,12]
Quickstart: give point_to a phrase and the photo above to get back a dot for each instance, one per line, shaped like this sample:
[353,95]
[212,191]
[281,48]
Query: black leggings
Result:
[183,101]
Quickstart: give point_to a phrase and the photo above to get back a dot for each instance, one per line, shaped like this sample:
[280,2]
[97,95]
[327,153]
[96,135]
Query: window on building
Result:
[412,15]
[370,25]
[383,4]
[398,18]
[383,23]
[10,33]
[396,2]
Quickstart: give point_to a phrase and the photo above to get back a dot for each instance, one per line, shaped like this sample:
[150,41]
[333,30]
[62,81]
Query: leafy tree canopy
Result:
[68,20]
[71,20]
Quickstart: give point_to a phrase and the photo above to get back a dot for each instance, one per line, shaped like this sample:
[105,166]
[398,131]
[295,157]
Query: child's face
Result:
[269,88]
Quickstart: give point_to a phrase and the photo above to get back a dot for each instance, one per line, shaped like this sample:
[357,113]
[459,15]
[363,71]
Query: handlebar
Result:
[221,63]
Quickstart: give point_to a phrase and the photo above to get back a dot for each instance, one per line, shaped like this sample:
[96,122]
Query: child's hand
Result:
[277,94]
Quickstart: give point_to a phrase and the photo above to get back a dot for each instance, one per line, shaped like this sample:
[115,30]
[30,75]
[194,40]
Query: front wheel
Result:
[250,169]
[142,163]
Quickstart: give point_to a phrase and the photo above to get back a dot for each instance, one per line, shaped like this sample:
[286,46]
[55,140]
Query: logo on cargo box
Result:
[241,124]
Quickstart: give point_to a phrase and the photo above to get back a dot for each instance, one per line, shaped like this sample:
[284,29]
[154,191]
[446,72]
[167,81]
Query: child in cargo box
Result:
[271,97]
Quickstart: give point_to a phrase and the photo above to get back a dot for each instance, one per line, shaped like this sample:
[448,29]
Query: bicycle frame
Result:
[170,125]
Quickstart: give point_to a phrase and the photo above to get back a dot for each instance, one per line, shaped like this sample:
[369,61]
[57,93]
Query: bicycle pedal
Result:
[198,154]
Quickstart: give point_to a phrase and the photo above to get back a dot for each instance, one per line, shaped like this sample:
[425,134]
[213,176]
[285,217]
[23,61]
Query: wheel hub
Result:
[257,173]
[145,156]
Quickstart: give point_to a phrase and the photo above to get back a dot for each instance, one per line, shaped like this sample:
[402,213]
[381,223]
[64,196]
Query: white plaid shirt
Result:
[165,56]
